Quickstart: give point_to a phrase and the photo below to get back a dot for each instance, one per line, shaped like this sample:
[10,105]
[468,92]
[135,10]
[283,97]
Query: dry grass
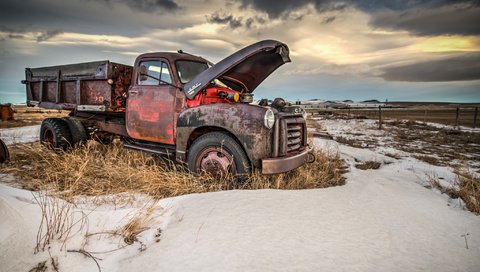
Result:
[98,170]
[57,221]
[466,187]
[349,141]
[368,165]
[469,189]
[429,159]
[140,222]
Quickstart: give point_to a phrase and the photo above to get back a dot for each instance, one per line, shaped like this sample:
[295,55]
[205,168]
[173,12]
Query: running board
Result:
[157,150]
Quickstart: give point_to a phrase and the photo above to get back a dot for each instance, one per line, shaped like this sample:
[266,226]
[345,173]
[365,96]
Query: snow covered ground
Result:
[381,220]
[19,135]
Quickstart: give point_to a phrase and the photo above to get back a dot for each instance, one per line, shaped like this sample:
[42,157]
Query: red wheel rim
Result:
[216,161]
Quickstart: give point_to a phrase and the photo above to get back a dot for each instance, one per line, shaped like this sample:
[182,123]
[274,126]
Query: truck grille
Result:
[294,137]
[291,136]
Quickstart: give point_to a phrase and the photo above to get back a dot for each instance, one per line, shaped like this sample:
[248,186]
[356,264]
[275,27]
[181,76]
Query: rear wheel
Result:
[219,155]
[77,131]
[55,133]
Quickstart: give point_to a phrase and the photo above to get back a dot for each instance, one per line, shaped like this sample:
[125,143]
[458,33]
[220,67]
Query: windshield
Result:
[187,70]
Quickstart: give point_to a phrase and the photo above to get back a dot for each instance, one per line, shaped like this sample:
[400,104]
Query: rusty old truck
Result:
[180,105]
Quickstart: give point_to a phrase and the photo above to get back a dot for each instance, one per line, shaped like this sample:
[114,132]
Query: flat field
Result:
[446,115]
[28,116]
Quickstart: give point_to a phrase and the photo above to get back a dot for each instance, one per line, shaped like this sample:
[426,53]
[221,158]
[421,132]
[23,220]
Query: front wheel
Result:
[219,155]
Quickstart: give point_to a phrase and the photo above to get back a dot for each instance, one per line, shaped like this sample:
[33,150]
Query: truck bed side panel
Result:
[99,85]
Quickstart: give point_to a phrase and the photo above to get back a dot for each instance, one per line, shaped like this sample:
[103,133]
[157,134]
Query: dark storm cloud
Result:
[285,6]
[279,7]
[228,19]
[119,17]
[15,36]
[16,33]
[401,5]
[48,35]
[234,22]
[448,20]
[459,68]
[328,20]
[421,17]
[146,5]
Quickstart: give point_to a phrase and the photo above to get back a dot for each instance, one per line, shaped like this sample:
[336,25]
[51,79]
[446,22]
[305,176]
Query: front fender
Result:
[244,121]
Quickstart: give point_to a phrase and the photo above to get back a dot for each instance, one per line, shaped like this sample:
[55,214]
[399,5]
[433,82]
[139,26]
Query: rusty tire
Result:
[54,133]
[219,155]
[77,131]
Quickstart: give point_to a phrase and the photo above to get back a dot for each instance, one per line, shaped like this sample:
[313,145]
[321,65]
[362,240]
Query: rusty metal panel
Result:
[151,114]
[66,92]
[284,164]
[50,91]
[93,83]
[6,112]
[96,92]
[243,121]
[35,91]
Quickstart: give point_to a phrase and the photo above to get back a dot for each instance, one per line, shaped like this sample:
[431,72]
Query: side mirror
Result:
[142,74]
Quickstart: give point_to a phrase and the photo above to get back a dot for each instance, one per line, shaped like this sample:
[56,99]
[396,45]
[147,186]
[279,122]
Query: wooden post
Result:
[380,117]
[475,117]
[456,116]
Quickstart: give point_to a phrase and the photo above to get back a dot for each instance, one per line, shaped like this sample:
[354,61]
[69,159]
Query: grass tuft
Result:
[466,187]
[368,165]
[469,189]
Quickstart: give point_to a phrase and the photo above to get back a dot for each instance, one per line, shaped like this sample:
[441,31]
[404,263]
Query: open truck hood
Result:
[250,65]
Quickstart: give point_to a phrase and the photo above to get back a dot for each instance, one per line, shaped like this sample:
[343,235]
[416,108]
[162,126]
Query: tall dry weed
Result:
[139,222]
[469,188]
[466,187]
[57,222]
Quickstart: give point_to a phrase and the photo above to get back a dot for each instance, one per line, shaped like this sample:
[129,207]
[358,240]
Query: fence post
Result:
[379,117]
[475,117]
[456,116]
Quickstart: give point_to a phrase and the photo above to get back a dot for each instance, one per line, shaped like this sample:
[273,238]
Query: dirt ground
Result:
[437,144]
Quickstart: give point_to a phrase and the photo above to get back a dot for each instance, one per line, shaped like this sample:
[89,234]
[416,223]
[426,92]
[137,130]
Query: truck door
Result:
[150,104]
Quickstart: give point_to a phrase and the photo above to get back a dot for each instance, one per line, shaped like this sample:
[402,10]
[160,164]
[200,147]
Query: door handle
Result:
[133,92]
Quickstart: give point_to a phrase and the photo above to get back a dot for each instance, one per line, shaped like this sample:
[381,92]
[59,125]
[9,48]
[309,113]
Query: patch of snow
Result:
[20,135]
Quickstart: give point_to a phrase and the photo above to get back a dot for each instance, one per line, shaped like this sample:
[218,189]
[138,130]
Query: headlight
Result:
[269,119]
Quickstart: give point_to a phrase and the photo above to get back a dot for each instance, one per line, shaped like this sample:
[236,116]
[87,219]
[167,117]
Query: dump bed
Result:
[90,86]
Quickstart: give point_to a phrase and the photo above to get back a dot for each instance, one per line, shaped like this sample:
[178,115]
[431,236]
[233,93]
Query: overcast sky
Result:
[417,50]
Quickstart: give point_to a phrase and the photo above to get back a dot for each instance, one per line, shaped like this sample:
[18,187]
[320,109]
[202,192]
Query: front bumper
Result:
[285,164]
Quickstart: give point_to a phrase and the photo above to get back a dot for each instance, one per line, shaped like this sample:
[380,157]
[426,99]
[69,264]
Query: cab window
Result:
[153,72]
